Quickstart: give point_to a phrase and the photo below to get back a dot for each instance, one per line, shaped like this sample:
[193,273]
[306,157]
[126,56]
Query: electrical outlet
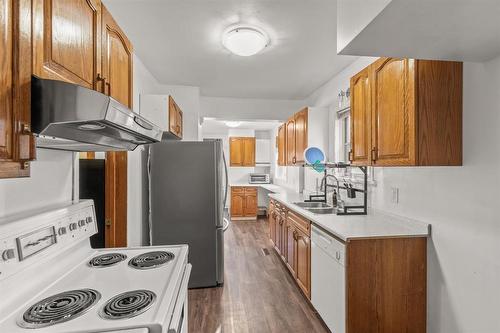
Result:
[395,195]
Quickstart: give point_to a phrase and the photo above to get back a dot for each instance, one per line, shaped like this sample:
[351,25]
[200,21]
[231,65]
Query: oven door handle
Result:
[177,316]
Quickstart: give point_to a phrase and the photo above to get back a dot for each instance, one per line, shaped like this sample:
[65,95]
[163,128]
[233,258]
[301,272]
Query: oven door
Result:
[178,324]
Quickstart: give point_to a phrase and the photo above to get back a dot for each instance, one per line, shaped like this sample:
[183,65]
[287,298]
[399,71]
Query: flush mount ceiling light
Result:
[244,40]
[232,123]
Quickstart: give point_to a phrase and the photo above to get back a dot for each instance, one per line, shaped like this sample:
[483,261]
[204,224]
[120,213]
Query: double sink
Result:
[316,207]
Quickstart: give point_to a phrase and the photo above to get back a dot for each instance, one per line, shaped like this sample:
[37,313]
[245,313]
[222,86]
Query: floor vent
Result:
[265,251]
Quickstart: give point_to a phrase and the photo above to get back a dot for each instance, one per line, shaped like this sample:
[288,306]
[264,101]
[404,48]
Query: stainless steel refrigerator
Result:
[187,197]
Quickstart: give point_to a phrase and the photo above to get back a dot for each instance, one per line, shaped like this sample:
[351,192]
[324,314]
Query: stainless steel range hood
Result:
[66,116]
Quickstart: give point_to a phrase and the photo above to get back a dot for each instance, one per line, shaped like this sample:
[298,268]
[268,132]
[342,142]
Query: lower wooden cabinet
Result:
[243,202]
[293,243]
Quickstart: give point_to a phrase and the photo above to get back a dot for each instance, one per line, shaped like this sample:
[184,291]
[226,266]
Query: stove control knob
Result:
[89,219]
[61,231]
[72,226]
[81,223]
[8,254]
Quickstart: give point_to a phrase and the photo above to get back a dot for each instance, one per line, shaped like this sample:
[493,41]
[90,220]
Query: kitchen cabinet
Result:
[242,151]
[163,111]
[333,273]
[67,41]
[290,142]
[243,202]
[360,118]
[272,222]
[308,127]
[281,145]
[415,108]
[17,146]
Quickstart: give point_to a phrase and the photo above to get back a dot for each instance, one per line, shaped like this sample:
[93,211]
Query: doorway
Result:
[103,178]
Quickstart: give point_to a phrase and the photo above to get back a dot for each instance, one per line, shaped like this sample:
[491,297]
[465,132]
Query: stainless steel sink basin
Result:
[329,210]
[312,204]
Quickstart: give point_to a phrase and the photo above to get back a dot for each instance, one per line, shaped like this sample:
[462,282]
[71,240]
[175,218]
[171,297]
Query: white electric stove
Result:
[51,280]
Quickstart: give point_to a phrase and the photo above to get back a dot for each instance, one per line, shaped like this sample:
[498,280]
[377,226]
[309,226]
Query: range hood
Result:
[66,116]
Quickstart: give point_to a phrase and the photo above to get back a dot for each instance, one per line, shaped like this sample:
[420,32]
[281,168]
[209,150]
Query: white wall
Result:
[248,109]
[50,183]
[459,202]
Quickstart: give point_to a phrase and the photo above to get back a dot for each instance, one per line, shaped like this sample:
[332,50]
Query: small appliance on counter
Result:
[53,281]
[259,178]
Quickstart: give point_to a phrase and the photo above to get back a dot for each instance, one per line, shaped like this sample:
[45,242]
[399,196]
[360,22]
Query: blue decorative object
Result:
[315,157]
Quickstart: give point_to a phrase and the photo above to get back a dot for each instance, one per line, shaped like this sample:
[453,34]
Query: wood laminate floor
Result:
[258,295]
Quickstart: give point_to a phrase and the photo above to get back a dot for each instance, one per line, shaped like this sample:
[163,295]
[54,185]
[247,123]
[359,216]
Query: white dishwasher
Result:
[328,279]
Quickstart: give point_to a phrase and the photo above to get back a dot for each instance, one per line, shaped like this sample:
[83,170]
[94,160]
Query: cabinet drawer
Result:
[251,190]
[300,222]
[237,189]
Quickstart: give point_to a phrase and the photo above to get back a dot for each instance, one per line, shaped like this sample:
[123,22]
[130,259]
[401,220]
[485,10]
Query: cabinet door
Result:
[248,151]
[393,112]
[281,145]
[180,129]
[116,60]
[300,135]
[290,142]
[66,40]
[172,115]
[303,262]
[235,151]
[251,202]
[237,203]
[290,245]
[360,119]
[16,142]
[278,233]
[272,222]
[117,83]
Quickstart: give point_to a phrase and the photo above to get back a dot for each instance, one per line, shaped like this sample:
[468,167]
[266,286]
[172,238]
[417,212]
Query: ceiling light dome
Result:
[244,40]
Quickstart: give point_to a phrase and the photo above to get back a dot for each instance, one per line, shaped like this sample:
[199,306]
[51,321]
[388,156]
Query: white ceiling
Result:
[219,126]
[180,43]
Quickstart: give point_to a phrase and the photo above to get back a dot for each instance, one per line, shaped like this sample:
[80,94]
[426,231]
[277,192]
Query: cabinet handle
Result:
[294,160]
[102,79]
[374,154]
[350,155]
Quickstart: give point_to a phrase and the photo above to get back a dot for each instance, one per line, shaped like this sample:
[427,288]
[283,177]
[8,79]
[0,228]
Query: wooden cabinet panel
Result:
[116,60]
[300,135]
[235,152]
[281,144]
[291,245]
[237,204]
[393,112]
[415,108]
[248,151]
[272,222]
[66,37]
[242,151]
[303,262]
[290,142]
[175,118]
[250,204]
[16,142]
[360,119]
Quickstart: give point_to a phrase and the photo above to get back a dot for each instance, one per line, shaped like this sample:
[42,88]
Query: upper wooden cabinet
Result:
[116,80]
[67,40]
[281,145]
[175,118]
[242,151]
[301,135]
[163,111]
[360,118]
[415,108]
[308,127]
[16,142]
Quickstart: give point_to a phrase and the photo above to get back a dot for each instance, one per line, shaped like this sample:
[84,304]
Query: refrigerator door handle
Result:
[227,179]
[226,225]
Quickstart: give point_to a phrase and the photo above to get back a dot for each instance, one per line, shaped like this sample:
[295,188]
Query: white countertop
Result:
[374,225]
